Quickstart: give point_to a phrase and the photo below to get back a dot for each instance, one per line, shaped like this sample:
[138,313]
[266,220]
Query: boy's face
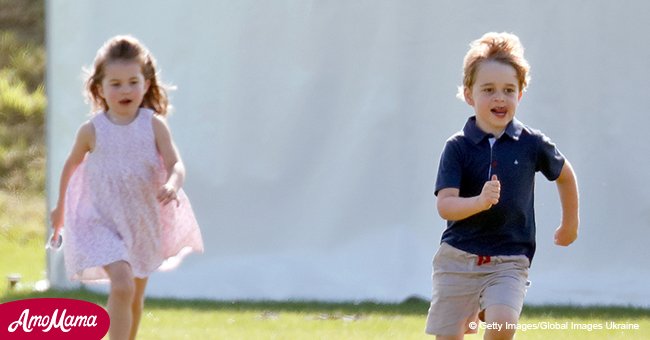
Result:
[494,96]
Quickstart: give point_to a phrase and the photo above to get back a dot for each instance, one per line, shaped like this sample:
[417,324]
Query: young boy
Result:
[485,191]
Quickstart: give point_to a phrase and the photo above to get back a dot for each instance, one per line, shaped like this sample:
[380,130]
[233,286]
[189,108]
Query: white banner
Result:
[311,132]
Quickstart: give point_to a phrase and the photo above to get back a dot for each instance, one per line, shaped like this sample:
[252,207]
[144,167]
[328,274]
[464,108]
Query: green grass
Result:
[201,319]
[22,96]
[22,236]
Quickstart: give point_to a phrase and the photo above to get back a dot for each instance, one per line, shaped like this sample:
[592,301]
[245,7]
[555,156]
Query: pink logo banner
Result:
[52,318]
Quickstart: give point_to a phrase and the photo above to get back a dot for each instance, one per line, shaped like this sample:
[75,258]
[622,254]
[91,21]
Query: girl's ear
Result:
[468,96]
[100,90]
[147,83]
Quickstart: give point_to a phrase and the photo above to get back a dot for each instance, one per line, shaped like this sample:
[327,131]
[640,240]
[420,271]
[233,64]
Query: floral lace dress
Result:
[111,210]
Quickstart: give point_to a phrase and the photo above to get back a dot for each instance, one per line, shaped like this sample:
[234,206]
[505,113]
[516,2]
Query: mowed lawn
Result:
[368,321]
[22,251]
[201,319]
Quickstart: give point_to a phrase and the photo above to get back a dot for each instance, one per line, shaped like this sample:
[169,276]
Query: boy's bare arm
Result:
[452,207]
[567,187]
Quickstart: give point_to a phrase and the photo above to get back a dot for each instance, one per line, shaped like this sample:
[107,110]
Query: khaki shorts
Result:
[464,284]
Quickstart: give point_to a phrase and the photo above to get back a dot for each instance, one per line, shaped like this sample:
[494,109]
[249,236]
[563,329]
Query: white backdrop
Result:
[311,132]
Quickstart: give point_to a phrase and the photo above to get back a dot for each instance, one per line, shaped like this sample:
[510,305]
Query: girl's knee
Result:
[140,286]
[123,289]
[138,299]
[121,276]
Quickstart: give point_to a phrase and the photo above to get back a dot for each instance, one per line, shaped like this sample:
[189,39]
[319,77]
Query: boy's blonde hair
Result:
[502,47]
[127,48]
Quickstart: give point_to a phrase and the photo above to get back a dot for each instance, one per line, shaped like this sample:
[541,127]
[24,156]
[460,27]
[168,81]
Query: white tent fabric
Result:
[311,132]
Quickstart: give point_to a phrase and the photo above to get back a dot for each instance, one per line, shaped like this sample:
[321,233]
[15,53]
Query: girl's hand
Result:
[56,217]
[166,194]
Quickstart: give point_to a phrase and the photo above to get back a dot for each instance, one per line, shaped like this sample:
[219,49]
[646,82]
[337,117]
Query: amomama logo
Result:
[52,318]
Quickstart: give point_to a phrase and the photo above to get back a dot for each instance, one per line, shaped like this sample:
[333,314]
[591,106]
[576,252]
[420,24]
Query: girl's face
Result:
[494,96]
[123,87]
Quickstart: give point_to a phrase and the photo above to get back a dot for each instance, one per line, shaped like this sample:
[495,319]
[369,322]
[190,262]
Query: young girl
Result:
[118,182]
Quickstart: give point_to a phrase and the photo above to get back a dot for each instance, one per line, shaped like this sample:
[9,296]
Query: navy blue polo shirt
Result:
[467,162]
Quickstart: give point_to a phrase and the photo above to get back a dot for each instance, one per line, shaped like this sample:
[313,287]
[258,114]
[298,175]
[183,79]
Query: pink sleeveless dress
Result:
[111,210]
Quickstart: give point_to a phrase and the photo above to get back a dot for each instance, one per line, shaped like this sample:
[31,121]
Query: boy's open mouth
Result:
[499,111]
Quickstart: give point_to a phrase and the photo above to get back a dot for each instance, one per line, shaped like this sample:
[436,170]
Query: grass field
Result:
[183,319]
[22,237]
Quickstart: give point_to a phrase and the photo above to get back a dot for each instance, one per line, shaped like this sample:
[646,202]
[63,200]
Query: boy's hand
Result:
[565,235]
[490,194]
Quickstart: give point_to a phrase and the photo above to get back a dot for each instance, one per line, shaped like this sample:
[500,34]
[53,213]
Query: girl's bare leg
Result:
[120,299]
[137,305]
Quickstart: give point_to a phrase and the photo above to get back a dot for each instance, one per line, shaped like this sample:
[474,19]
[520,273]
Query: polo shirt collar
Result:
[476,135]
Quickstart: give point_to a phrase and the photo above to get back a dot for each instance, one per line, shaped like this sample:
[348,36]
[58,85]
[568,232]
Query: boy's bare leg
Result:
[449,337]
[473,319]
[501,315]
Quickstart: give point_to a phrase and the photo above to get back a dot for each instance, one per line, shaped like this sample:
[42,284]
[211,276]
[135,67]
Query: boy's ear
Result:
[468,96]
[521,93]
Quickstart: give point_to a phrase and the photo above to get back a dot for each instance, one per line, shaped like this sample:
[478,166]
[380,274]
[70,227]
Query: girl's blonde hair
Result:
[127,48]
[502,47]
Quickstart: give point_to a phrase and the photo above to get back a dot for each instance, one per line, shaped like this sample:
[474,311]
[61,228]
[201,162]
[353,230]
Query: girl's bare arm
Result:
[84,143]
[171,159]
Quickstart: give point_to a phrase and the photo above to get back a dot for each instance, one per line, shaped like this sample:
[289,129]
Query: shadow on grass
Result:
[412,306]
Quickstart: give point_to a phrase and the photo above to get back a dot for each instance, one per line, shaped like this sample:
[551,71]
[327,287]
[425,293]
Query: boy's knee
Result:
[499,335]
[449,337]
[501,314]
[503,319]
